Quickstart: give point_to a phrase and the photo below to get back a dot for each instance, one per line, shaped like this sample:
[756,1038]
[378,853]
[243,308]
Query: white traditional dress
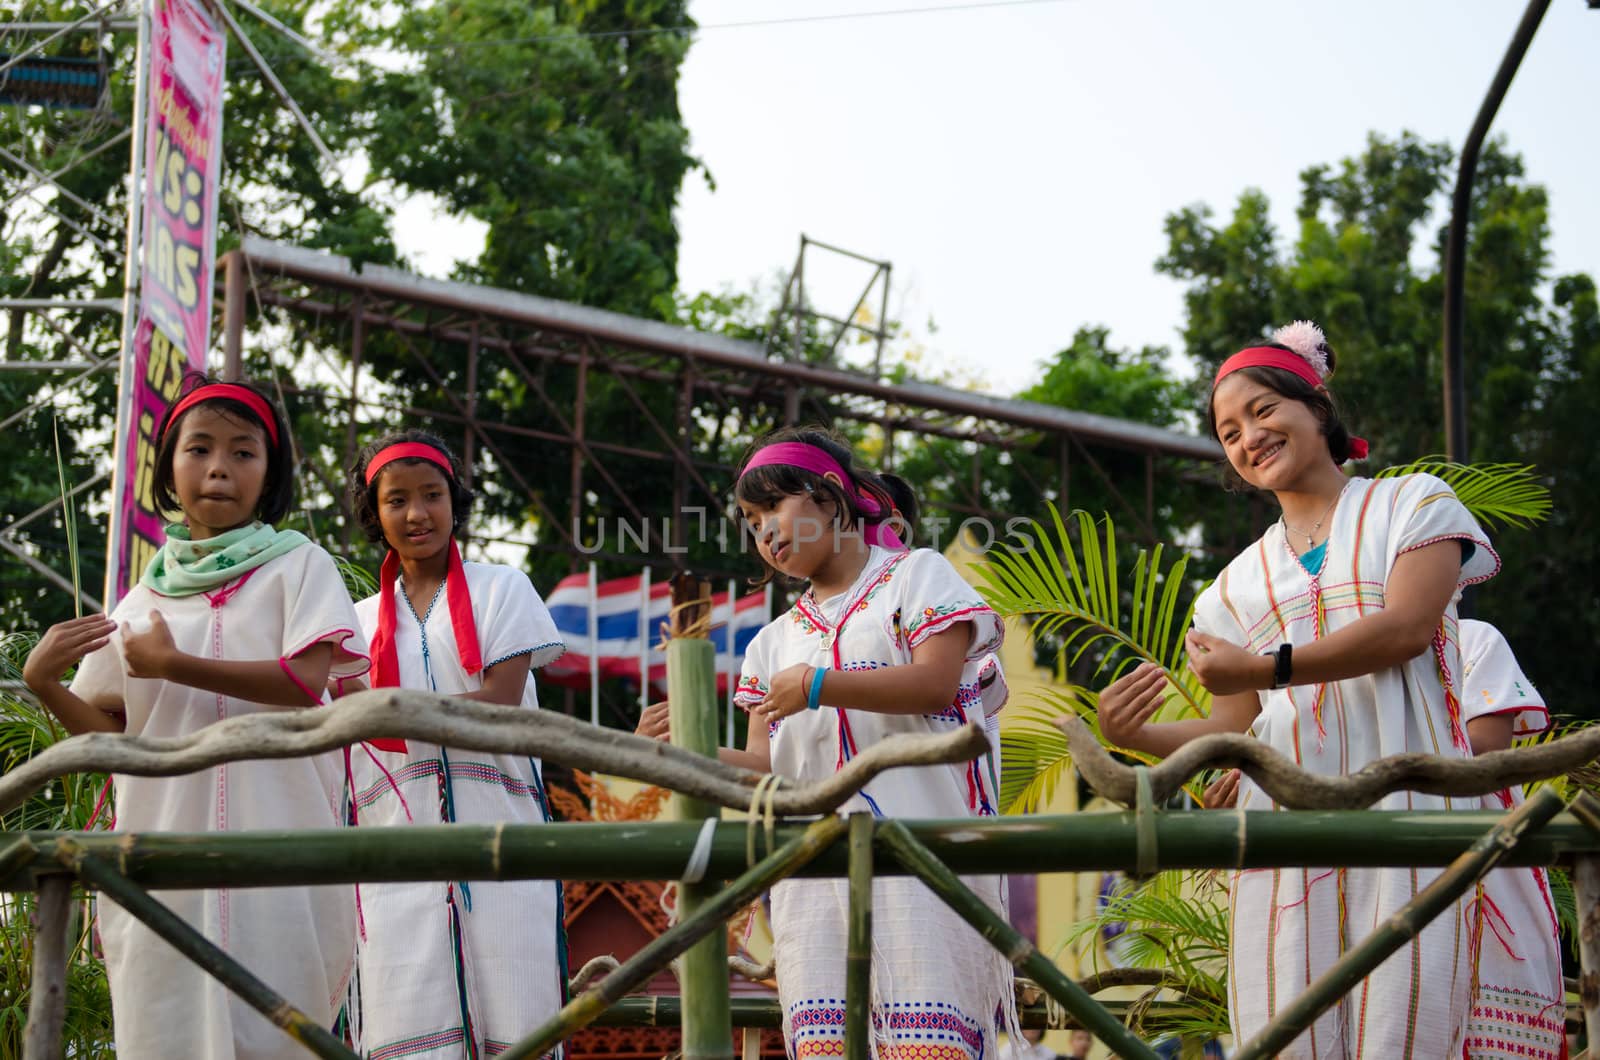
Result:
[1290,925]
[937,986]
[298,940]
[464,968]
[1518,1001]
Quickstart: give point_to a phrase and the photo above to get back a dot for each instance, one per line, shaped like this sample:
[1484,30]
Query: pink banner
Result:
[182,162]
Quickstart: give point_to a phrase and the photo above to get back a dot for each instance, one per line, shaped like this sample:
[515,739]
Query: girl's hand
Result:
[1222,793]
[654,722]
[149,652]
[1129,702]
[788,693]
[1225,668]
[63,646]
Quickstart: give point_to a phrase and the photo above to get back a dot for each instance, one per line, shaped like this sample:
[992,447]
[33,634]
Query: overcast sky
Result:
[1015,162]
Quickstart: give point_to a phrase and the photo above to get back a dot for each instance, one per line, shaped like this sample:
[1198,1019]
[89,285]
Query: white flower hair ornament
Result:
[1307,341]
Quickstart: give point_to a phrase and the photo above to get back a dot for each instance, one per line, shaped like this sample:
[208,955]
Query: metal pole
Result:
[130,309]
[594,644]
[733,658]
[273,83]
[1455,252]
[644,639]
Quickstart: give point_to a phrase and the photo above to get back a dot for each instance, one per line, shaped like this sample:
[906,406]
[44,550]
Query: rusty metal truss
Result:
[687,394]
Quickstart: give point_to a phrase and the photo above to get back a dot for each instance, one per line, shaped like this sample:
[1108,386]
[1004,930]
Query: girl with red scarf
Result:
[448,969]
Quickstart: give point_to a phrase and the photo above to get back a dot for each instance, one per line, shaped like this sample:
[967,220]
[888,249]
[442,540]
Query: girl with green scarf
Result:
[231,617]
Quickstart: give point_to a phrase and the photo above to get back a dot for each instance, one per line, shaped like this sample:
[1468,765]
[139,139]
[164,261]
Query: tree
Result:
[555,124]
[1366,266]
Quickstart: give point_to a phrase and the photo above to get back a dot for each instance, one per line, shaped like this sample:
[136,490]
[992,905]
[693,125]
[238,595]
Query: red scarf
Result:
[386,659]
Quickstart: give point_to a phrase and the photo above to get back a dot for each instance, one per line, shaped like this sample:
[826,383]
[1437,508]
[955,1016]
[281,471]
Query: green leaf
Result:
[1494,493]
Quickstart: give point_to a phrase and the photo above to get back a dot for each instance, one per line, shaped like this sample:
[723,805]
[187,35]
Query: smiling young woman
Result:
[1333,638]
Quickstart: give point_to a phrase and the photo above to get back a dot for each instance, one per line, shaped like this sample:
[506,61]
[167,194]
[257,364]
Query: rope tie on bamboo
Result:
[1144,825]
[762,797]
[700,856]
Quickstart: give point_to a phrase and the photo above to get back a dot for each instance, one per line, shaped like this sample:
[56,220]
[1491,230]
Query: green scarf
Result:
[184,566]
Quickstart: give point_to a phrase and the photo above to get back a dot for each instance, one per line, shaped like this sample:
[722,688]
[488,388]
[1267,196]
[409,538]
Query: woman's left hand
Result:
[1224,667]
[148,652]
[787,695]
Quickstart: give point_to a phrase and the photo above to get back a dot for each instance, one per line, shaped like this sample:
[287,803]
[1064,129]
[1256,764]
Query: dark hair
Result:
[770,483]
[277,489]
[1284,382]
[364,497]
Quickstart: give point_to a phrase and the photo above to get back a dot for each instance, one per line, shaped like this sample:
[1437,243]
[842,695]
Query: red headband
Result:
[1268,357]
[810,458]
[1272,357]
[233,392]
[405,450]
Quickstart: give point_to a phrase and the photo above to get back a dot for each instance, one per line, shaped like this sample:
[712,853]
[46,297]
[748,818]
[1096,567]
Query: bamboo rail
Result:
[659,850]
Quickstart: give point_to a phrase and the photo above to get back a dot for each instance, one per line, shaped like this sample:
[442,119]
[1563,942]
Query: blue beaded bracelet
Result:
[814,697]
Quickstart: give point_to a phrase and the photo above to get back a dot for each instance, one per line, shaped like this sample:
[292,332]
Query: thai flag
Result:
[615,629]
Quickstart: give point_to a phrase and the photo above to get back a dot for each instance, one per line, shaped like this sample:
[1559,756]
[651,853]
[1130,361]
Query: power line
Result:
[690,29]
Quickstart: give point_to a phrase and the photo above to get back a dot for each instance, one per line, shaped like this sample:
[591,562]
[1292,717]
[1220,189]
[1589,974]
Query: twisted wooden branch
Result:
[455,722]
[1295,788]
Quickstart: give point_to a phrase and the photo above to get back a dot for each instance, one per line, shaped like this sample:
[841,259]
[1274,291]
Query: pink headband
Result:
[233,392]
[403,451]
[1272,357]
[810,458]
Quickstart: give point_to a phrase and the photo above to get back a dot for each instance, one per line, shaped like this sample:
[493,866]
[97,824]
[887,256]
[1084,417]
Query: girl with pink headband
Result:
[231,617]
[448,969]
[883,640]
[1333,638]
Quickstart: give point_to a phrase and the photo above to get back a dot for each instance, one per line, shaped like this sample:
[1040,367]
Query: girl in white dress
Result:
[883,641]
[1333,639]
[449,969]
[1518,1000]
[231,618]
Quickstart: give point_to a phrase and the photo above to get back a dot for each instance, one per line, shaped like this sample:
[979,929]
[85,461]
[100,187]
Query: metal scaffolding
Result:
[460,335]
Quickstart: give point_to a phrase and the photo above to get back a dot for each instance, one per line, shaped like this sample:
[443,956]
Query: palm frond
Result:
[1074,592]
[1177,923]
[1494,493]
[358,581]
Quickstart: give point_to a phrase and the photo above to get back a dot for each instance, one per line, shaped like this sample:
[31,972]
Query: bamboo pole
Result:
[1404,925]
[858,954]
[192,944]
[47,993]
[665,1010]
[692,695]
[1586,886]
[659,952]
[1022,954]
[659,850]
